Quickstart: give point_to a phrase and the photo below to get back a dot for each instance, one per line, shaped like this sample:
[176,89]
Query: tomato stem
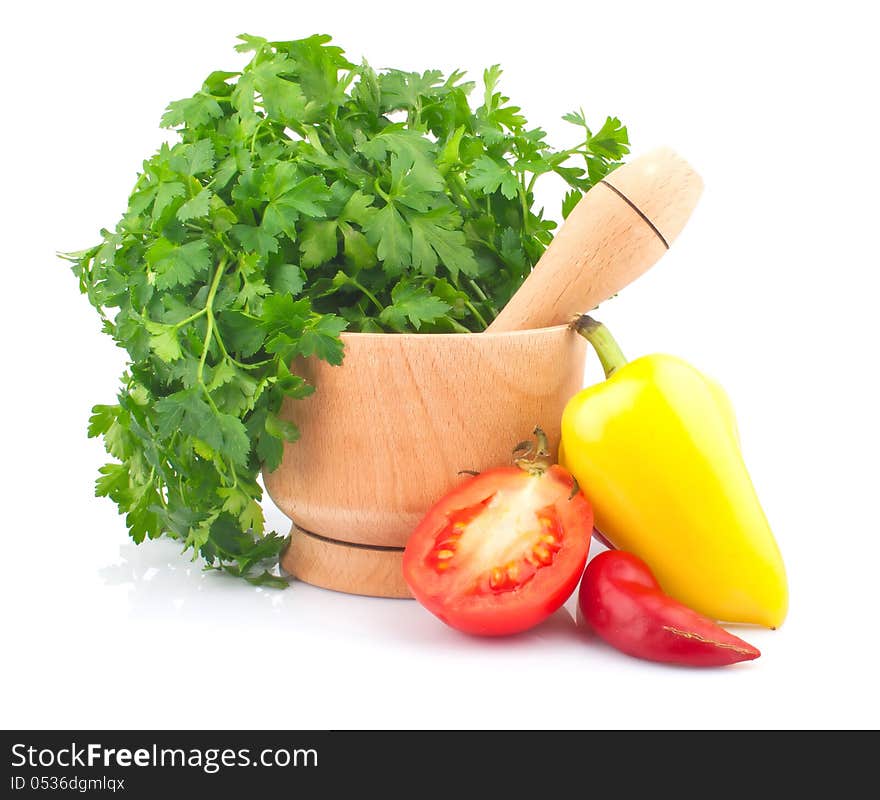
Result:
[610,355]
[533,457]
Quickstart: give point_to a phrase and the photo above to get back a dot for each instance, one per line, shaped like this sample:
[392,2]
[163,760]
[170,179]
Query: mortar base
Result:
[344,567]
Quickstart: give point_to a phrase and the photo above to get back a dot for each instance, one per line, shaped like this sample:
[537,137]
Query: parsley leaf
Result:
[178,264]
[388,232]
[488,176]
[414,303]
[196,207]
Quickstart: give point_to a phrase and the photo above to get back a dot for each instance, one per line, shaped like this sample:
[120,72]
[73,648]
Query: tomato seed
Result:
[551,542]
[497,578]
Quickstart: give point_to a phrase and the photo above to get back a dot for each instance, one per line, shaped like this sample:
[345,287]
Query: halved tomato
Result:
[503,550]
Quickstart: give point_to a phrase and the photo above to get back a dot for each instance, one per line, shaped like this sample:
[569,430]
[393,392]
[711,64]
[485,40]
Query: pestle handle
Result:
[616,232]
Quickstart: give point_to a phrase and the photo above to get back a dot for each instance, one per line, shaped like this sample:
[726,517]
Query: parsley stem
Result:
[482,295]
[457,326]
[190,318]
[460,185]
[254,137]
[476,287]
[380,191]
[222,345]
[521,191]
[357,285]
[572,150]
[209,305]
[531,184]
[461,203]
[473,309]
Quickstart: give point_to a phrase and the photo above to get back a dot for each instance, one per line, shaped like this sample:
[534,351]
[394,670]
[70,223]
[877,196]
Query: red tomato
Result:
[502,551]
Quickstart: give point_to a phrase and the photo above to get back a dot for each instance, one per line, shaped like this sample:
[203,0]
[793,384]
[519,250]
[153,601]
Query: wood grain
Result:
[386,434]
[607,241]
[344,568]
[663,186]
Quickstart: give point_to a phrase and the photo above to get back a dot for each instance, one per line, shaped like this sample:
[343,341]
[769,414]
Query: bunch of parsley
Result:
[306,195]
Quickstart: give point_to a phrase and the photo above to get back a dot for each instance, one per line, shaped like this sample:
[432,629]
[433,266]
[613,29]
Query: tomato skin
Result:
[623,602]
[475,609]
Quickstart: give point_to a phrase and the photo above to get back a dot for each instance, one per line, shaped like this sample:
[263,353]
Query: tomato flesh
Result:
[502,551]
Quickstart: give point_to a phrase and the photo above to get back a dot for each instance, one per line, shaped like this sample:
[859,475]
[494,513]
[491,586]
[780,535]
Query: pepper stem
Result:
[609,352]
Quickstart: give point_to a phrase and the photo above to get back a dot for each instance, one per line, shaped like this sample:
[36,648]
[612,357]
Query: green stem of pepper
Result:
[610,355]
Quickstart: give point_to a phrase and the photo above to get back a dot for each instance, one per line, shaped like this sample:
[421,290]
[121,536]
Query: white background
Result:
[772,288]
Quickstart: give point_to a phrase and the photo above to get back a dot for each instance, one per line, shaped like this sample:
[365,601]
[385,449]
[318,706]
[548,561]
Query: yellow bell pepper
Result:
[656,450]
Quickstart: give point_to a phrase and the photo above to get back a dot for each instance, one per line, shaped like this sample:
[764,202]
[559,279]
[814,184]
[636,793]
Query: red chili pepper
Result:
[620,598]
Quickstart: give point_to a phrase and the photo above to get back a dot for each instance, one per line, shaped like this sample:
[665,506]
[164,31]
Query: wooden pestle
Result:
[616,232]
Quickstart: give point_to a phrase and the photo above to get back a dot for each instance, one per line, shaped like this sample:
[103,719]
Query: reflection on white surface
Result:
[160,580]
[161,583]
[151,640]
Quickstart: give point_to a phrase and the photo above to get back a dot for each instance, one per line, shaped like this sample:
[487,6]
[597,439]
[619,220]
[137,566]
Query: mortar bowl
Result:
[387,433]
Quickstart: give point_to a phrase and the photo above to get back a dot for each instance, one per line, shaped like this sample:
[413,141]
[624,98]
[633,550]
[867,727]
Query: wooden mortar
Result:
[387,433]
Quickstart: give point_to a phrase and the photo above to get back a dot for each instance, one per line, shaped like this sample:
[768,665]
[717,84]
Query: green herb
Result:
[305,195]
